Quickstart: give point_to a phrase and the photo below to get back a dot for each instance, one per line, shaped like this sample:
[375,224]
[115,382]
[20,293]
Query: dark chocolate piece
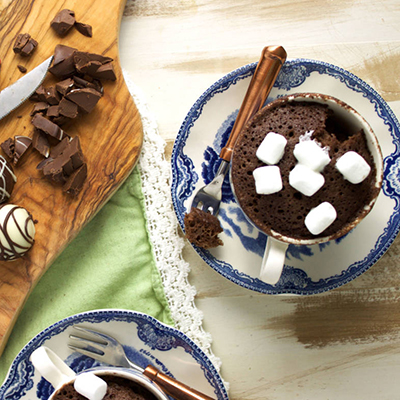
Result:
[40,142]
[43,163]
[59,148]
[21,145]
[63,22]
[68,108]
[7,179]
[40,107]
[58,169]
[92,83]
[84,29]
[65,86]
[86,98]
[47,126]
[29,48]
[105,71]
[74,151]
[75,182]
[8,148]
[22,68]
[52,96]
[39,95]
[53,111]
[63,64]
[83,57]
[20,42]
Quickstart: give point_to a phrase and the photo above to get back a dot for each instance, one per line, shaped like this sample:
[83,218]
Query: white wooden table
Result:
[344,344]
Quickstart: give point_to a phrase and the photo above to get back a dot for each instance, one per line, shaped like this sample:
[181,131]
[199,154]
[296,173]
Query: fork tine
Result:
[93,335]
[91,354]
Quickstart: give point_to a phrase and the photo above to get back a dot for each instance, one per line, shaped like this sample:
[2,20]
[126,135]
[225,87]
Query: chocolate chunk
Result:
[65,86]
[105,71]
[53,112]
[63,22]
[84,29]
[52,96]
[47,126]
[75,182]
[86,98]
[86,64]
[74,151]
[21,145]
[58,169]
[82,57]
[29,48]
[61,120]
[40,142]
[40,94]
[92,83]
[8,148]
[43,163]
[20,42]
[22,68]
[40,107]
[68,108]
[59,148]
[63,64]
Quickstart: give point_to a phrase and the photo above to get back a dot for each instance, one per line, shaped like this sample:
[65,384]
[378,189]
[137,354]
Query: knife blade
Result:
[14,95]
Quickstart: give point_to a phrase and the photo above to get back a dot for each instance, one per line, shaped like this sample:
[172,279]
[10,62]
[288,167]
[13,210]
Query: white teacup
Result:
[277,243]
[59,374]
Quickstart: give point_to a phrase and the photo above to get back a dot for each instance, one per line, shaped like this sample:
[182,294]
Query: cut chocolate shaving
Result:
[92,83]
[105,71]
[21,145]
[8,148]
[86,98]
[40,142]
[22,68]
[52,96]
[84,29]
[40,107]
[58,169]
[48,127]
[63,22]
[76,181]
[68,108]
[63,64]
[64,86]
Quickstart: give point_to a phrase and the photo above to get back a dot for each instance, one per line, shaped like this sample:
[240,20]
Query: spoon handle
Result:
[271,61]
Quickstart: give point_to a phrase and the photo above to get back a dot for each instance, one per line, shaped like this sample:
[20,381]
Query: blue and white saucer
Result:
[146,341]
[308,269]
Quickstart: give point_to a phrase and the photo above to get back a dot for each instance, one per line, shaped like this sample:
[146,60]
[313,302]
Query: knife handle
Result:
[172,387]
[269,65]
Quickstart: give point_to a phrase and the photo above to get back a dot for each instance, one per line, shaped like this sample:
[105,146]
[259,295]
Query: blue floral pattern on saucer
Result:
[146,342]
[308,269]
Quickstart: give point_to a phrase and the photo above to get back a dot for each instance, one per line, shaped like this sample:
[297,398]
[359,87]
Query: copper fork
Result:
[107,349]
[208,198]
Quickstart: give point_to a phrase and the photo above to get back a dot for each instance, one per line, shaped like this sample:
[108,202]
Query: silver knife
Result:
[14,95]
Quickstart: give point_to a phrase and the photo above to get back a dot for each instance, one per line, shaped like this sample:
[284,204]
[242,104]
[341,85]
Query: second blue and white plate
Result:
[308,269]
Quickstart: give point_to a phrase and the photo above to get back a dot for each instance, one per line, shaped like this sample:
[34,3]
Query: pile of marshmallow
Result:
[306,176]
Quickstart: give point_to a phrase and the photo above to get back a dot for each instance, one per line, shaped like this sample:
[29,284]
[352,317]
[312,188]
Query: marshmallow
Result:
[305,180]
[310,153]
[353,167]
[90,386]
[268,179]
[320,217]
[271,148]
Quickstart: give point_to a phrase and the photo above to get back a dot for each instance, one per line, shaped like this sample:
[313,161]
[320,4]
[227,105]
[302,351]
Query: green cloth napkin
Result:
[110,264]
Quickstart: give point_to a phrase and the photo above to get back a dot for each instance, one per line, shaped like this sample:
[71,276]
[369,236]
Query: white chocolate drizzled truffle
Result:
[7,180]
[17,232]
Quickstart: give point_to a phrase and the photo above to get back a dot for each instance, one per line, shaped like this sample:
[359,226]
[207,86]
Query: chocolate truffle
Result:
[7,180]
[17,232]
[202,229]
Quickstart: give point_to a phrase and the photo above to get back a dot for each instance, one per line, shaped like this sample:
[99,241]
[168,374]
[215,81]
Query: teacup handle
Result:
[51,367]
[273,261]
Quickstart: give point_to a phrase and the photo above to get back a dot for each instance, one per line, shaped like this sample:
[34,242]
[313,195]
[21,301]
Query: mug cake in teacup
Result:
[306,169]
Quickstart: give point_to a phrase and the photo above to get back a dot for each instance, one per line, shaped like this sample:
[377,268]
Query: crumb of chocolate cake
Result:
[202,229]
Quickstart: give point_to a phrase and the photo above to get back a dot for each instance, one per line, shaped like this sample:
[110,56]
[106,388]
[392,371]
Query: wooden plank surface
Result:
[344,344]
[111,139]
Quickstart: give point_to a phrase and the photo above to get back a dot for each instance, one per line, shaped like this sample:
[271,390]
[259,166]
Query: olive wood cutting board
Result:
[111,137]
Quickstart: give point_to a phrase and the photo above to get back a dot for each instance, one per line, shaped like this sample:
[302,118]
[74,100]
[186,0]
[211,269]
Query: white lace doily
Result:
[162,226]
